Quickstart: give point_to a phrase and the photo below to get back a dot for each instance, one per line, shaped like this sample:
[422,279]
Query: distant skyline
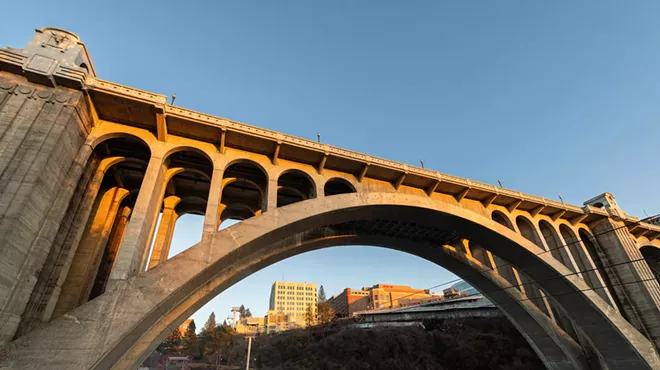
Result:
[550,98]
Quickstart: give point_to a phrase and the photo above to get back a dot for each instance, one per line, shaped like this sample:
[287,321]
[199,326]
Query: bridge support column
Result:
[110,253]
[272,194]
[635,288]
[212,215]
[145,213]
[165,230]
[83,270]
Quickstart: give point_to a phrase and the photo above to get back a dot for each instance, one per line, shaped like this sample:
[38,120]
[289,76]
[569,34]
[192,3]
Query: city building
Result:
[349,301]
[278,321]
[377,297]
[251,325]
[460,289]
[184,327]
[291,300]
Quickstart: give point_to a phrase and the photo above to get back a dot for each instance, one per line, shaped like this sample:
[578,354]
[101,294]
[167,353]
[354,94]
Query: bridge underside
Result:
[121,326]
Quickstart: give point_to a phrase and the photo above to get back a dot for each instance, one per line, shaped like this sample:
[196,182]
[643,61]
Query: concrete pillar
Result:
[145,213]
[70,238]
[165,230]
[634,285]
[112,248]
[212,216]
[83,270]
[272,194]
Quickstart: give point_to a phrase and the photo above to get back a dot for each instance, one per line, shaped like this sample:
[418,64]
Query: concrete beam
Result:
[555,216]
[223,138]
[429,190]
[321,165]
[489,200]
[577,219]
[276,153]
[534,212]
[514,205]
[363,172]
[161,126]
[461,194]
[399,181]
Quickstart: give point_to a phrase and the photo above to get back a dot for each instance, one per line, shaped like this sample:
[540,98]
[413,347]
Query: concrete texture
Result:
[87,166]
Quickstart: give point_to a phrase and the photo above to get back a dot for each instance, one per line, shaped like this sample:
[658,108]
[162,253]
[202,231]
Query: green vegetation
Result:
[471,344]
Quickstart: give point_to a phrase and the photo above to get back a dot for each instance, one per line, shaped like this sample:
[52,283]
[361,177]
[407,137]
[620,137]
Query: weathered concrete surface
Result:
[41,136]
[117,328]
[59,146]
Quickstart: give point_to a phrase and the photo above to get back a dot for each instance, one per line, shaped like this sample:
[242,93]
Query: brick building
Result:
[377,297]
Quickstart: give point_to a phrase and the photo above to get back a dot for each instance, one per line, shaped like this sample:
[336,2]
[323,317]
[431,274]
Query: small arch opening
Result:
[294,186]
[557,250]
[245,184]
[652,256]
[338,186]
[502,219]
[527,230]
[186,193]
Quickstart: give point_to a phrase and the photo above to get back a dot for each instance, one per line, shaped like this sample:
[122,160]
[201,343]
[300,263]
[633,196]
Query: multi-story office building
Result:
[377,297]
[350,301]
[291,299]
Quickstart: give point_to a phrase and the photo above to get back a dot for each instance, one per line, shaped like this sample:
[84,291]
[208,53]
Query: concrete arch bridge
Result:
[87,166]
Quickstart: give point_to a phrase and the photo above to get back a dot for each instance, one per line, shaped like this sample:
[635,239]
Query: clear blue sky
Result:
[549,97]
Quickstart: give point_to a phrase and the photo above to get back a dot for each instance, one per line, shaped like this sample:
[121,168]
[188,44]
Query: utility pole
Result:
[247,361]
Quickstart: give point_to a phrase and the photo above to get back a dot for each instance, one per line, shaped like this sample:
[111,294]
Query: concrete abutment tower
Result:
[87,166]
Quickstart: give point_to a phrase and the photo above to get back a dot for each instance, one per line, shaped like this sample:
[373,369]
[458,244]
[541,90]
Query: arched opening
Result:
[583,261]
[531,289]
[652,256]
[338,186]
[417,225]
[592,247]
[503,267]
[185,193]
[527,230]
[294,186]
[82,257]
[557,250]
[502,219]
[244,189]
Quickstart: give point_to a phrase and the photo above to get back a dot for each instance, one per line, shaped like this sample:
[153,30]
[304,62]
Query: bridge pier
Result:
[80,278]
[634,284]
[165,231]
[132,253]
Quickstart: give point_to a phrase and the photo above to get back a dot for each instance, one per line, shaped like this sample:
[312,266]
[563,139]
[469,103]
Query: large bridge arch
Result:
[119,326]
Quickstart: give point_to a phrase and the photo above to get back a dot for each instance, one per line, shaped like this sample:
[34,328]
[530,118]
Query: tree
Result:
[172,343]
[189,340]
[325,312]
[241,312]
[310,317]
[210,325]
[244,312]
[322,297]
